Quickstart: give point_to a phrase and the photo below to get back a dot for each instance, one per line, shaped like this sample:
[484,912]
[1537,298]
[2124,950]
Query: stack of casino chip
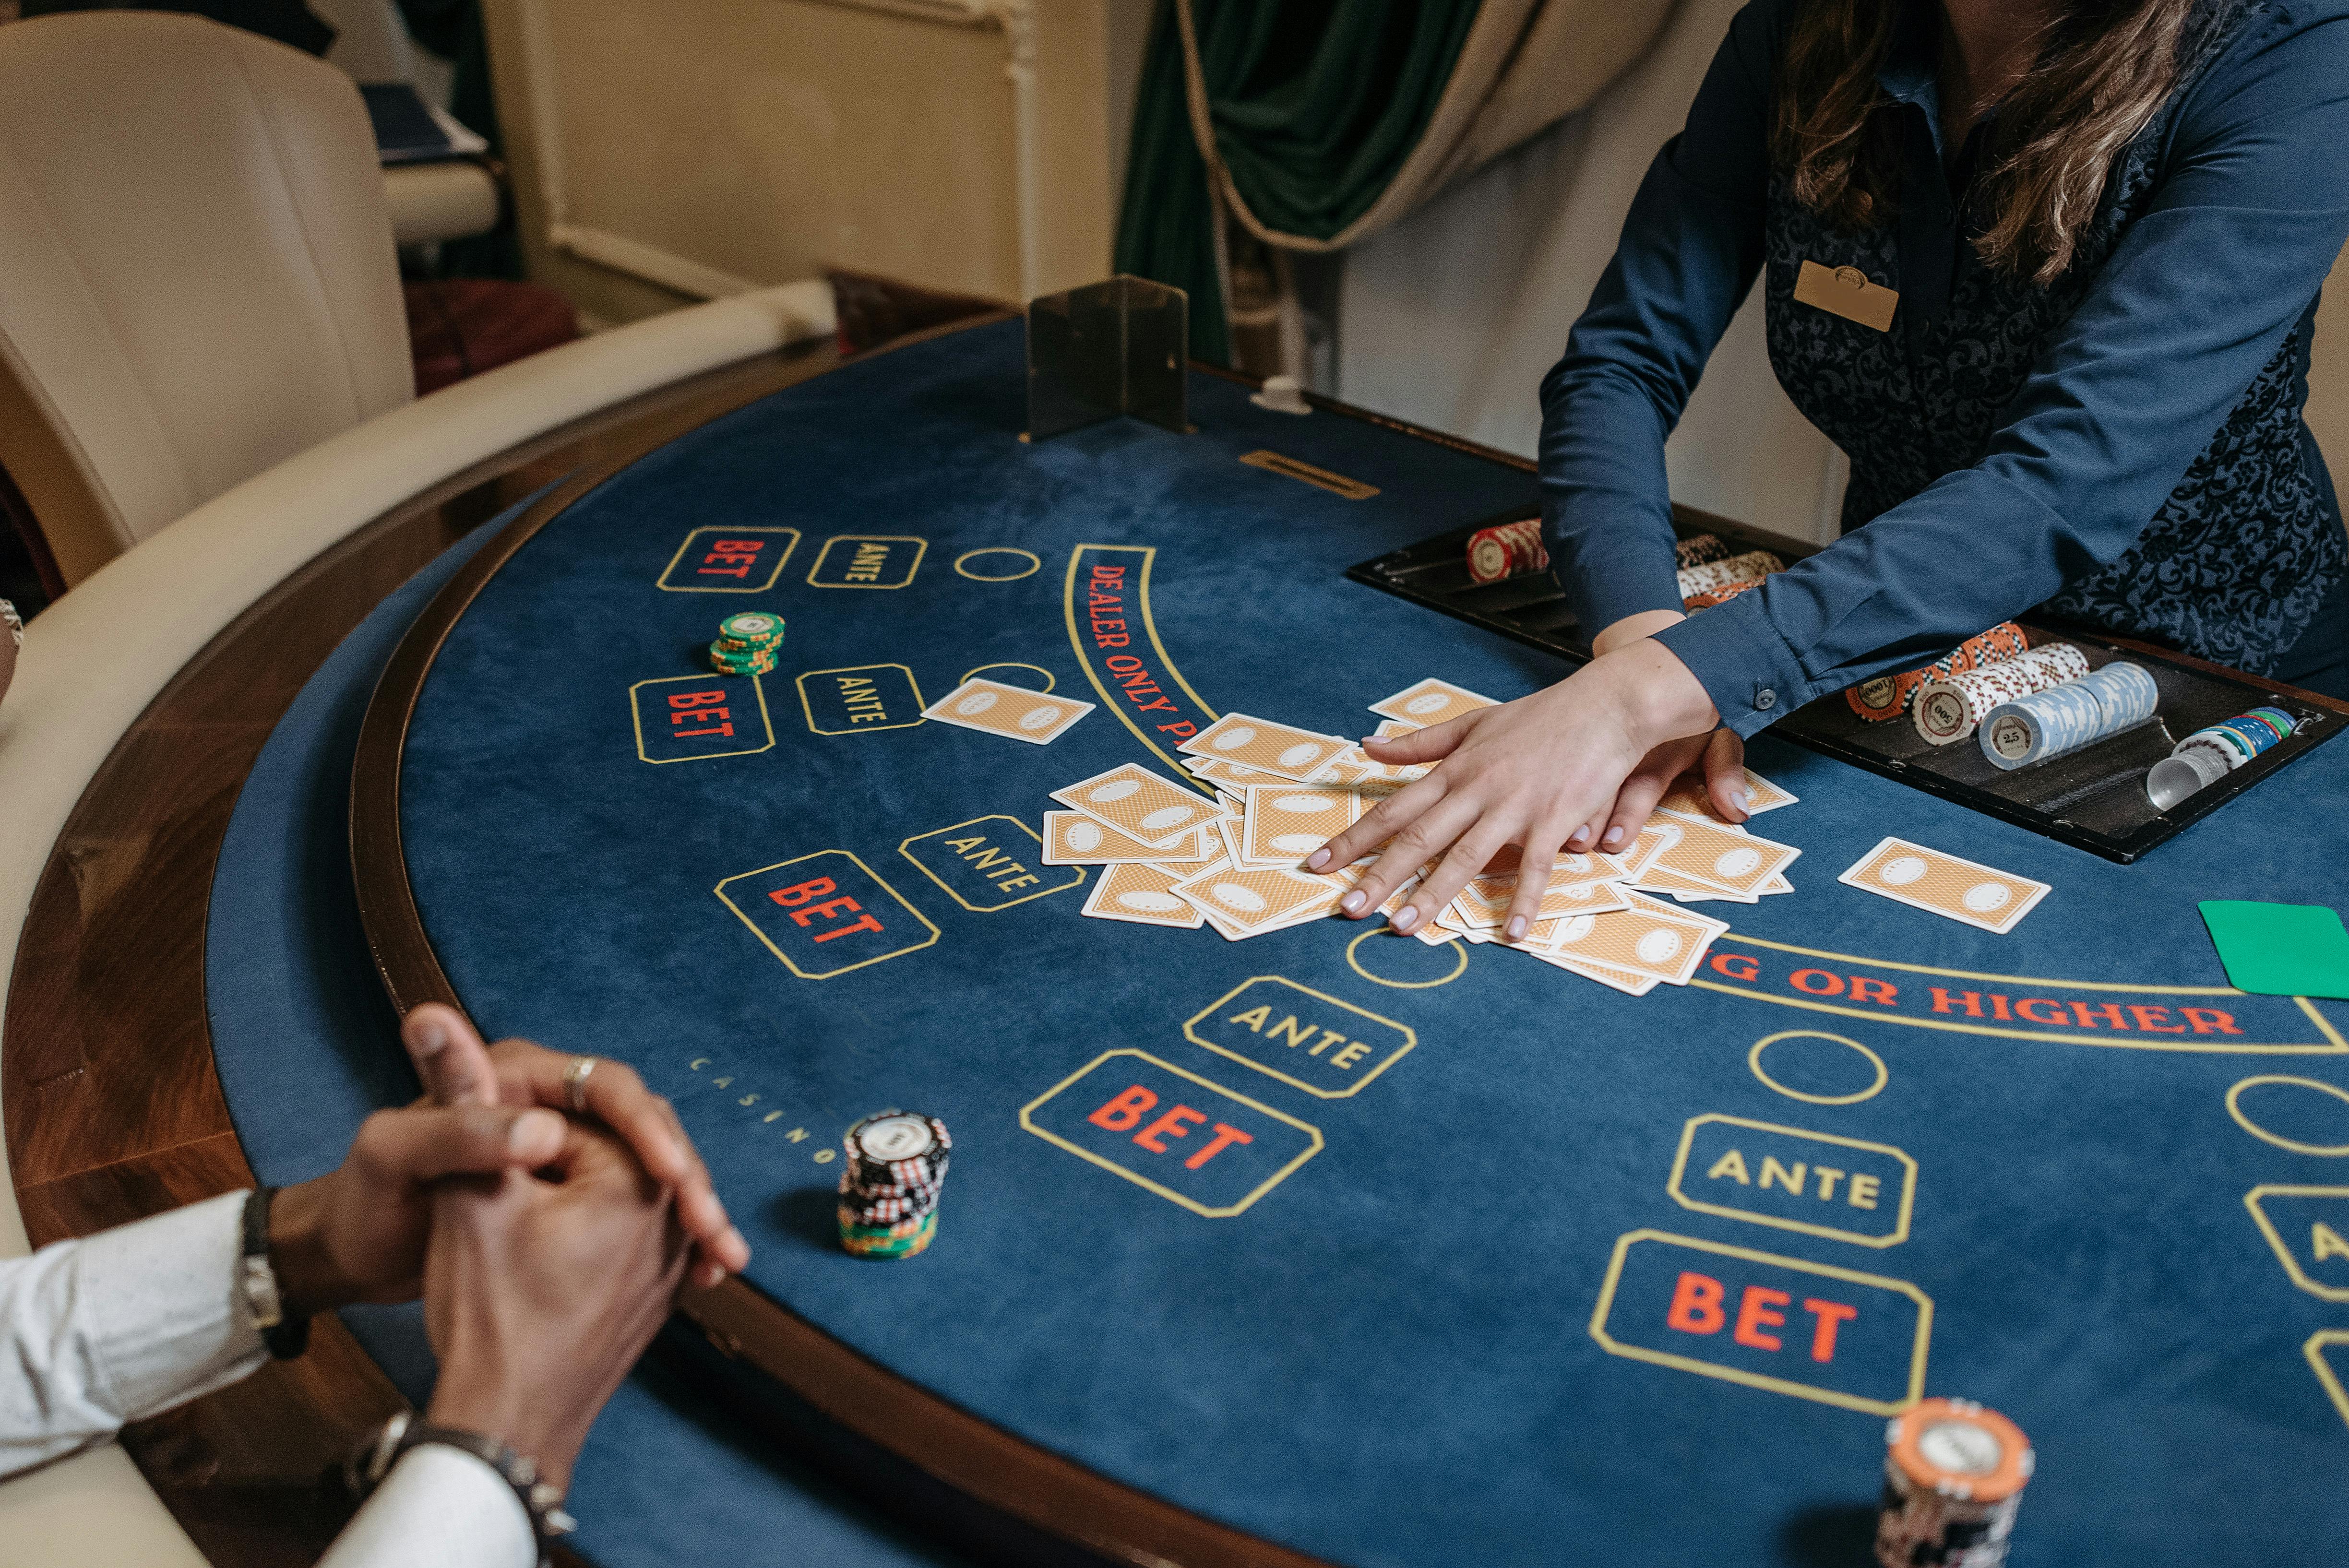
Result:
[1951,708]
[747,643]
[2061,720]
[1706,580]
[1698,549]
[889,1187]
[1953,1477]
[1508,550]
[1881,698]
[2207,756]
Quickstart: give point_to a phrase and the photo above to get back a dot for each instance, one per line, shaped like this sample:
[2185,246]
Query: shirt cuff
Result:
[163,1318]
[1752,675]
[439,1505]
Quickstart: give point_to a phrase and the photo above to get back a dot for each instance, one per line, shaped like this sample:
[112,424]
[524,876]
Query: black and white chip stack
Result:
[890,1183]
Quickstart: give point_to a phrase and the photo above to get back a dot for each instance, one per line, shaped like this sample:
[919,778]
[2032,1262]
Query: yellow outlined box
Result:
[1409,1037]
[2315,1351]
[2284,1255]
[1312,1133]
[1077,877]
[791,542]
[807,709]
[1917,1356]
[1898,1233]
[637,716]
[760,931]
[921,548]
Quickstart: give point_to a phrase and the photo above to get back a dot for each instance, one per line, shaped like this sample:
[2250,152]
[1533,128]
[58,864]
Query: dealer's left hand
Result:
[1577,766]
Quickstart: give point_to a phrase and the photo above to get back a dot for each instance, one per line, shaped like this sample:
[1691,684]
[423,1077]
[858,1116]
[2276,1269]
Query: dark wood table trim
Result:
[113,1109]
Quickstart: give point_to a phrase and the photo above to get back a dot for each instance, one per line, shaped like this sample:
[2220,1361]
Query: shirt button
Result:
[1763,697]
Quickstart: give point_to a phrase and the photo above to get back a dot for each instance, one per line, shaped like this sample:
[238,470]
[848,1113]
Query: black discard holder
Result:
[2094,799]
[1106,349]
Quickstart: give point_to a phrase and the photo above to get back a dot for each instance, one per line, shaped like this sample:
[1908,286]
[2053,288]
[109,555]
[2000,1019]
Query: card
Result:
[1686,889]
[1964,890]
[2280,949]
[995,708]
[1714,852]
[1142,893]
[1578,884]
[1073,839]
[1624,980]
[1282,750]
[1430,701]
[1689,799]
[1649,938]
[1254,900]
[1285,822]
[1140,804]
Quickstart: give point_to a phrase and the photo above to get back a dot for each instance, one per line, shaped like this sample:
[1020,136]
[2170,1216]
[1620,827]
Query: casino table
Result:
[1432,1300]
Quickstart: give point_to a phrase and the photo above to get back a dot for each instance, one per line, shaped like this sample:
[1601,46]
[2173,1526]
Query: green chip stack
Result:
[747,643]
[889,1188]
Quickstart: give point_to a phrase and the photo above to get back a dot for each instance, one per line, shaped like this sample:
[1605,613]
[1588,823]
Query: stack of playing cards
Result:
[1170,856]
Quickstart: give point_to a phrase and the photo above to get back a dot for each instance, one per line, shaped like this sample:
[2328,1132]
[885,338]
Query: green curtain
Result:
[1315,105]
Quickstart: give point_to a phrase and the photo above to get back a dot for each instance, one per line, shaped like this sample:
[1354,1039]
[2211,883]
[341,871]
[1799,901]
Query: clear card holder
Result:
[1108,348]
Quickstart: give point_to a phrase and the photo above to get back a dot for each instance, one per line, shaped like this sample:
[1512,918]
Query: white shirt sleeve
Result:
[440,1506]
[119,1325]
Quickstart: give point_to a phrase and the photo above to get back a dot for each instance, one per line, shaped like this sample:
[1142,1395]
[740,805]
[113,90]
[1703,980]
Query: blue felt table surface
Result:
[1390,1356]
[308,1047]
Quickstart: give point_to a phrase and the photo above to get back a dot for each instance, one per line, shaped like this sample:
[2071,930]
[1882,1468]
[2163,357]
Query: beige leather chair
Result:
[197,277]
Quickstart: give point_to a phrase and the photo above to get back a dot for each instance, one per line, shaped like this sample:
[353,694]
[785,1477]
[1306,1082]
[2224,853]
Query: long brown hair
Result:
[2104,69]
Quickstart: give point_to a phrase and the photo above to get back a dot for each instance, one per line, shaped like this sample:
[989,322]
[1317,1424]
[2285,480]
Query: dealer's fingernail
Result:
[535,1134]
[736,1244]
[1517,927]
[427,1038]
[1352,902]
[1405,918]
[1318,859]
[1374,740]
[1737,799]
[1614,836]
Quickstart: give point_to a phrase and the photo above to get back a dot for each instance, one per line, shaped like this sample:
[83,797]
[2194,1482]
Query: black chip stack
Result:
[890,1183]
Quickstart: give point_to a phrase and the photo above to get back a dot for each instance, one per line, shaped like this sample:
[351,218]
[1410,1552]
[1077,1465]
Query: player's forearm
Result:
[119,1325]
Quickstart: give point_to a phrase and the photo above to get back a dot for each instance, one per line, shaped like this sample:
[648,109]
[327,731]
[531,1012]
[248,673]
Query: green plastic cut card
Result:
[2280,949]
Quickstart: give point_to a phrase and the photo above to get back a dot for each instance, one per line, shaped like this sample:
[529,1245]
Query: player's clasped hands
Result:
[1575,767]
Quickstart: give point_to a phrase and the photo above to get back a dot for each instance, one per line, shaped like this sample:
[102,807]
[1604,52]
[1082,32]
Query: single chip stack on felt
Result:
[1507,550]
[2063,718]
[1712,576]
[1953,1477]
[1950,710]
[889,1186]
[2207,756]
[747,643]
[1881,698]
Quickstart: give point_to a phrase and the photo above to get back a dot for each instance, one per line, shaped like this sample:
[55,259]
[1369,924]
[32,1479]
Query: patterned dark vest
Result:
[2232,566]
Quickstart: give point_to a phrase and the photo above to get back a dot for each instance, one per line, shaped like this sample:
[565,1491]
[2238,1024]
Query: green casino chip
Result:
[753,626]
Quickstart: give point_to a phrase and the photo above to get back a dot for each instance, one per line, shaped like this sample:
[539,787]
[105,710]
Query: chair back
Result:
[197,275]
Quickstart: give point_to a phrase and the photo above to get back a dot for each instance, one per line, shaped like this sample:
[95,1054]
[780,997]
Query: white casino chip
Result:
[894,1138]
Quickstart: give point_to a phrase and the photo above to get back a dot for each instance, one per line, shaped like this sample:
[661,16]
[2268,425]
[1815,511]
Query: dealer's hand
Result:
[458,1069]
[540,1290]
[1578,766]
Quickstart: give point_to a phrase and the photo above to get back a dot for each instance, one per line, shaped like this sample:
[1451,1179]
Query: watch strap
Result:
[286,1336]
[364,1470]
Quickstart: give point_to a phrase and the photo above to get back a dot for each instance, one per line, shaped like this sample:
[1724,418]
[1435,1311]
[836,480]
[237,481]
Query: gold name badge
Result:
[1845,292]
